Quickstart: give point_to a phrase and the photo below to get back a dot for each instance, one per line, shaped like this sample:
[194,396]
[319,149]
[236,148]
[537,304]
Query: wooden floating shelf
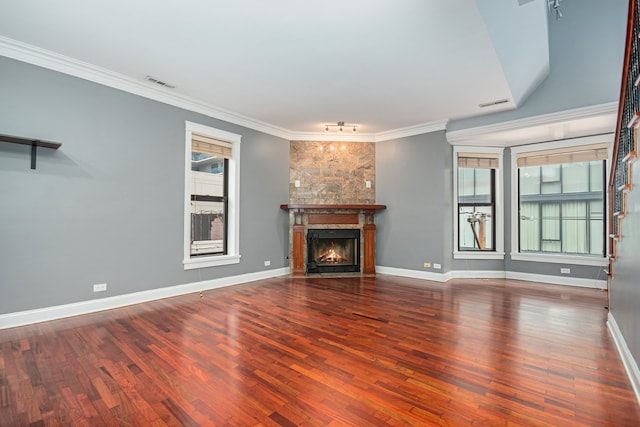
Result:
[34,143]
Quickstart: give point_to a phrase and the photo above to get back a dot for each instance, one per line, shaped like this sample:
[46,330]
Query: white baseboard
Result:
[414,274]
[558,280]
[627,358]
[478,274]
[27,317]
[493,274]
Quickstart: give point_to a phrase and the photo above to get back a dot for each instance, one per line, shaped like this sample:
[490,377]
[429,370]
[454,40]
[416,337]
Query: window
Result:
[559,197]
[477,194]
[211,197]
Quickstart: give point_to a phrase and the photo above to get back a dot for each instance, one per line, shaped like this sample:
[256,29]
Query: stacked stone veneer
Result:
[332,172]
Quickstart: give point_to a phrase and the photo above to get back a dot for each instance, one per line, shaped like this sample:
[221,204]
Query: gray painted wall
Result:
[413,177]
[108,205]
[415,181]
[624,289]
[585,58]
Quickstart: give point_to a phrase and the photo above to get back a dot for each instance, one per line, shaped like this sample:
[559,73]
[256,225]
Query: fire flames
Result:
[331,255]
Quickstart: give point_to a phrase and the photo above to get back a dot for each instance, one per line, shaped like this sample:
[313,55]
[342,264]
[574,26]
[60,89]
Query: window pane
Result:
[574,227]
[208,204]
[530,226]
[596,175]
[483,183]
[474,185]
[207,175]
[575,177]
[476,228]
[550,221]
[530,180]
[550,176]
[567,215]
[207,227]
[466,183]
[596,224]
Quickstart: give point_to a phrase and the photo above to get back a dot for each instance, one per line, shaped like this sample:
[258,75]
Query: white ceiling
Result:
[295,65]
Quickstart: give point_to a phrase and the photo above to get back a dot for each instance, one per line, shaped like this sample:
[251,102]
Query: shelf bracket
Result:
[34,143]
[34,152]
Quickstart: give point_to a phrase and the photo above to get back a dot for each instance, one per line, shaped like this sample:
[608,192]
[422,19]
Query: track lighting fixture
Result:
[341,126]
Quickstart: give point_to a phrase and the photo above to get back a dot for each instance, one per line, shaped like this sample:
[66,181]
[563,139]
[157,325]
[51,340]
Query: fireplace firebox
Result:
[333,250]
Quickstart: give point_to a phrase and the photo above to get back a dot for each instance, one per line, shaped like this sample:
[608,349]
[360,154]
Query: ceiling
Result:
[296,65]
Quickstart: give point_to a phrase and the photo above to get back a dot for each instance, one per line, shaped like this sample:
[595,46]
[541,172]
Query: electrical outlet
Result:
[427,265]
[367,184]
[267,263]
[565,270]
[296,183]
[437,266]
[100,287]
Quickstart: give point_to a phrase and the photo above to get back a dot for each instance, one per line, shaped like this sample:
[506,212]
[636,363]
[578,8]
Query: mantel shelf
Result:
[34,143]
[296,206]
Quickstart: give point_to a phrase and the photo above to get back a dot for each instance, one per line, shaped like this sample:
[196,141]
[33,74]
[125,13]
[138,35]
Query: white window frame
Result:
[233,215]
[499,209]
[515,220]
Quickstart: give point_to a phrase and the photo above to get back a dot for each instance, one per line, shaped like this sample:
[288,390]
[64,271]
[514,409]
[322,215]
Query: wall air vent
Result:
[489,104]
[159,82]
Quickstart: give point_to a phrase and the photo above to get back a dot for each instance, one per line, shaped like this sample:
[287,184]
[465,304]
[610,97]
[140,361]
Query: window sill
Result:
[560,259]
[477,255]
[213,261]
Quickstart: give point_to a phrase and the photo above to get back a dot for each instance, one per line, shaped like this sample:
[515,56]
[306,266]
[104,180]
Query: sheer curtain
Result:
[529,227]
[574,227]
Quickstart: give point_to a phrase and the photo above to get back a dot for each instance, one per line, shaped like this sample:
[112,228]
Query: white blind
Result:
[477,161]
[207,145]
[585,153]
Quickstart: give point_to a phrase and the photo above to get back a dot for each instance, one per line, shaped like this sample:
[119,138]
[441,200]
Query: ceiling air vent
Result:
[489,104]
[159,82]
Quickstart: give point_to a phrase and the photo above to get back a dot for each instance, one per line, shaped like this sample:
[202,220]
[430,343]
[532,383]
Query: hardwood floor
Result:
[353,351]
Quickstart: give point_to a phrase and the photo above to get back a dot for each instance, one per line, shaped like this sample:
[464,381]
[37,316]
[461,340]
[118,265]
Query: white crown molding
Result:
[43,58]
[371,137]
[625,354]
[22,318]
[332,136]
[53,61]
[411,131]
[471,135]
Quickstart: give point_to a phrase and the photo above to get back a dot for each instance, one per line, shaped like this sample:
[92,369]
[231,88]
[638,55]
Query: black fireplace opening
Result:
[333,250]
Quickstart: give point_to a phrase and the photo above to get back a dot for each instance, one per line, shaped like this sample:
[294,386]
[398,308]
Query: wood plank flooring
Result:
[369,351]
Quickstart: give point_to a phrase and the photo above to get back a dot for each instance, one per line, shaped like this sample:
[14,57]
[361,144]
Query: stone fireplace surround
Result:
[331,216]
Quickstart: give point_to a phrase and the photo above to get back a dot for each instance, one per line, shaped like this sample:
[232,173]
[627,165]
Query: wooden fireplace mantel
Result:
[365,207]
[369,229]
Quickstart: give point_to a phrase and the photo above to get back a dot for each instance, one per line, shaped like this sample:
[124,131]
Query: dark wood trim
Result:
[294,206]
[30,141]
[298,250]
[314,219]
[369,261]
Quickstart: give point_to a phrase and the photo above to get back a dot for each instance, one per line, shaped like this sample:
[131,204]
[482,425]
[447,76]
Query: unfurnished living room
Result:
[362,213]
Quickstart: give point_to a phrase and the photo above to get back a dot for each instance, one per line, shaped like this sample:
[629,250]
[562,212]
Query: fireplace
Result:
[351,228]
[333,250]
